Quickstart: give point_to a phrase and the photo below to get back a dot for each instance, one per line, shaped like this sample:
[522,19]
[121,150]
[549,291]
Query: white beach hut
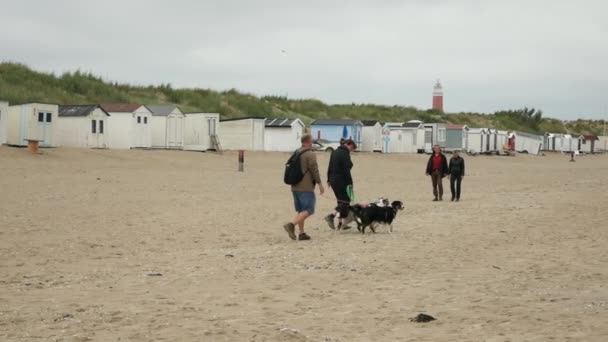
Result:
[602,144]
[420,134]
[245,133]
[283,135]
[526,142]
[492,140]
[434,134]
[3,121]
[32,121]
[478,140]
[549,142]
[130,126]
[167,126]
[569,143]
[371,136]
[400,139]
[199,130]
[588,143]
[83,126]
[502,140]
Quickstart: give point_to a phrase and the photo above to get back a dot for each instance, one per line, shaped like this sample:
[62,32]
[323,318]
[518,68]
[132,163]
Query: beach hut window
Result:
[139,119]
[145,120]
[93,127]
[49,117]
[100,126]
[442,134]
[40,117]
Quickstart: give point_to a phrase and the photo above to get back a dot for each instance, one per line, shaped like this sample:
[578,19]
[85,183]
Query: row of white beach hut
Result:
[116,126]
[416,136]
[126,126]
[587,143]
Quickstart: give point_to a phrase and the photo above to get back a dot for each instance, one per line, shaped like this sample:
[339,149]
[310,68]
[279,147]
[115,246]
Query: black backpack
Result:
[293,169]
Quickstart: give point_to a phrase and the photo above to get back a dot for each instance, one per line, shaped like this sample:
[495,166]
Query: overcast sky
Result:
[489,55]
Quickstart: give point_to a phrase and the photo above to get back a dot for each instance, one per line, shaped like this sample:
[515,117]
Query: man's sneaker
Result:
[291,230]
[330,221]
[303,236]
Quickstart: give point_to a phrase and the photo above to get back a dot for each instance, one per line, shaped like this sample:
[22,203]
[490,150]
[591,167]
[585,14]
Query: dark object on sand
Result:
[422,318]
[154,274]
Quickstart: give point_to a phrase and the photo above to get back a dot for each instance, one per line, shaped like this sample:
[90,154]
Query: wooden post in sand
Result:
[32,145]
[241,160]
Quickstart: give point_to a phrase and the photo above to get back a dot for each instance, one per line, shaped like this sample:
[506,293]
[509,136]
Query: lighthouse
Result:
[438,97]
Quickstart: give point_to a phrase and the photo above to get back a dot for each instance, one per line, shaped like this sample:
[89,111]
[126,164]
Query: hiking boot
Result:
[291,230]
[330,221]
[436,199]
[452,199]
[303,236]
[458,200]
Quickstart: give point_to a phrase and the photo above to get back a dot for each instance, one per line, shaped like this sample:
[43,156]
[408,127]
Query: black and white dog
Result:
[355,209]
[372,215]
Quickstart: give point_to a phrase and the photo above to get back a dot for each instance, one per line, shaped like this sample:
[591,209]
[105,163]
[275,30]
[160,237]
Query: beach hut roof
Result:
[281,123]
[244,118]
[477,130]
[120,107]
[78,110]
[336,122]
[369,122]
[589,137]
[162,110]
[412,124]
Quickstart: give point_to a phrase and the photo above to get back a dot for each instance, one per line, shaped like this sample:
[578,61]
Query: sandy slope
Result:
[523,257]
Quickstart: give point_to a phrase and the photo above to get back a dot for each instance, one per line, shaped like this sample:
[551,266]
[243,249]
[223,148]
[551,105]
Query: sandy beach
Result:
[100,245]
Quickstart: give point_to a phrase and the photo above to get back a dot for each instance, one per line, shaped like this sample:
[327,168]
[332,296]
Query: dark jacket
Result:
[456,167]
[444,165]
[338,171]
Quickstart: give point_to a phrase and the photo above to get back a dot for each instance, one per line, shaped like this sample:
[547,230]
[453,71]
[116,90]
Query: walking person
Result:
[456,171]
[339,178]
[437,168]
[302,173]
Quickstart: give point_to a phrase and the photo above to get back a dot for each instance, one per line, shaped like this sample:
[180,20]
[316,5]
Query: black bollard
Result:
[241,161]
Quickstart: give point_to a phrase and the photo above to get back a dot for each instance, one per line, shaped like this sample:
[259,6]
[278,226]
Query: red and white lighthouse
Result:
[438,96]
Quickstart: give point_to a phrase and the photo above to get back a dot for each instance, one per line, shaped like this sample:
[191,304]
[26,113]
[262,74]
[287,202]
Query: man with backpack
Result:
[302,173]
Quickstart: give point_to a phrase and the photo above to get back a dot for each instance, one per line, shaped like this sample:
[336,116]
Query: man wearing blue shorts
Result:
[304,192]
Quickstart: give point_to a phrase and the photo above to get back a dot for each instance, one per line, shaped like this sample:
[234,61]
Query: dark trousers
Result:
[436,177]
[455,181]
[342,198]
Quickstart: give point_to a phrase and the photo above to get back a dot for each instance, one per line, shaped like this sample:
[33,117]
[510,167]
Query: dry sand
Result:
[524,256]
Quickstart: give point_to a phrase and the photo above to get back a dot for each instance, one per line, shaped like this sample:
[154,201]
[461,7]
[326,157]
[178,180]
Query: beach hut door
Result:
[428,139]
[44,128]
[175,133]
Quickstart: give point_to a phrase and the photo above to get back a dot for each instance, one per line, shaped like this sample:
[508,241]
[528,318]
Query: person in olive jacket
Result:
[437,168]
[339,178]
[456,171]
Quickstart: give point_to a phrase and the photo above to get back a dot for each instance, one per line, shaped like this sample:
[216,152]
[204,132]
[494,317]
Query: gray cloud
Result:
[490,55]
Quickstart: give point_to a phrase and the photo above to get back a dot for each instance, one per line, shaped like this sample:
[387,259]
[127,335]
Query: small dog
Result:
[373,215]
